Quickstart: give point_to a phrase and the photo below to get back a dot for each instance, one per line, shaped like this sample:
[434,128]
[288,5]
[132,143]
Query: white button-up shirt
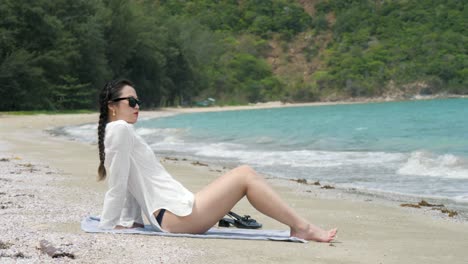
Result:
[137,181]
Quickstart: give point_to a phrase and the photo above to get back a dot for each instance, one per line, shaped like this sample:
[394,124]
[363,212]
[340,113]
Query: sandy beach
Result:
[48,184]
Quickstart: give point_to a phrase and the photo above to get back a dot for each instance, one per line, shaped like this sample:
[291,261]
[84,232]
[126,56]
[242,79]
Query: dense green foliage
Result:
[58,54]
[402,41]
[259,17]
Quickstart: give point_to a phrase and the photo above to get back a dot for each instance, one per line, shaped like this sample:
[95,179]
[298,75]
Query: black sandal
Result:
[239,221]
[225,222]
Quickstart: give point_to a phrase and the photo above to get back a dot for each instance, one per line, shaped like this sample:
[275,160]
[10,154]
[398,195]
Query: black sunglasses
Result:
[132,101]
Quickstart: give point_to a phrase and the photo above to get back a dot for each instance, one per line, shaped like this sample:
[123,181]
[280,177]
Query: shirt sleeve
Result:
[131,212]
[119,147]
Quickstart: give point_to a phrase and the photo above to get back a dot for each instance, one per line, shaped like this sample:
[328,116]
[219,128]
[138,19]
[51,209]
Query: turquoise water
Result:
[439,126]
[417,148]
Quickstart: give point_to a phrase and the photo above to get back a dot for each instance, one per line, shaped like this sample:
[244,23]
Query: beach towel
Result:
[90,224]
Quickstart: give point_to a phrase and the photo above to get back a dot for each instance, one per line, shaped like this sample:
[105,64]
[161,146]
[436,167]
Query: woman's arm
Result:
[131,213]
[119,147]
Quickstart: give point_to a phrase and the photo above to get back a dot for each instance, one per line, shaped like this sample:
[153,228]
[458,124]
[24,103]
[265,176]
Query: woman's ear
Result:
[111,108]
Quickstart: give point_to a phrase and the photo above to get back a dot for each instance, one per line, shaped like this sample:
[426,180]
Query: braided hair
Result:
[111,90]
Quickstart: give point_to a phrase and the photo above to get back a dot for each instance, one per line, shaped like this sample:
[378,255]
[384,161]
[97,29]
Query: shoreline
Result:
[168,111]
[279,104]
[369,232]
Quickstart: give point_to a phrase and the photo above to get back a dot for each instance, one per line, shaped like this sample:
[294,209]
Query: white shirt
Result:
[137,181]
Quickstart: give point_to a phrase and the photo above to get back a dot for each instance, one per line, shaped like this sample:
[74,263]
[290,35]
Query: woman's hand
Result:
[135,225]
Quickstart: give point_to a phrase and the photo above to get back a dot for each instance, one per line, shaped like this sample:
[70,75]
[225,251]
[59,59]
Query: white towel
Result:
[90,224]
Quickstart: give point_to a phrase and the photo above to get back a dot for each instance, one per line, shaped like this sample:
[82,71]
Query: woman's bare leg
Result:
[218,198]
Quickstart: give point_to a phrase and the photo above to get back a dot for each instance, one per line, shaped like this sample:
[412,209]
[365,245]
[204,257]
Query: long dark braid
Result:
[110,91]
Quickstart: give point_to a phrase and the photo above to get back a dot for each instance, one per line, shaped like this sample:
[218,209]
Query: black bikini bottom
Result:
[160,216]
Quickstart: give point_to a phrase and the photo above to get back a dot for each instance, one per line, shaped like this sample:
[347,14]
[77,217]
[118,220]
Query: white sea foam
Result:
[264,140]
[86,133]
[298,158]
[461,198]
[428,164]
[361,128]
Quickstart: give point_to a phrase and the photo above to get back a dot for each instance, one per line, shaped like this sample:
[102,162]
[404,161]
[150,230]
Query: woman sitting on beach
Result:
[138,182]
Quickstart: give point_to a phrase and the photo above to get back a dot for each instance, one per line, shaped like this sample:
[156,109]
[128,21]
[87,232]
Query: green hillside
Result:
[56,55]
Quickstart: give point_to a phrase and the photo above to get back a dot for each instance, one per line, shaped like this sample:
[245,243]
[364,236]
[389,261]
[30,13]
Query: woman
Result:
[138,182]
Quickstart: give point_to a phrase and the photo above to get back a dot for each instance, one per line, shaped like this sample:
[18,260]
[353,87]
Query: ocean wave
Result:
[417,163]
[297,158]
[86,133]
[264,140]
[461,198]
[428,164]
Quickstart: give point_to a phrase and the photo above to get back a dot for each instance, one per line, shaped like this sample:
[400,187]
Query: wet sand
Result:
[47,184]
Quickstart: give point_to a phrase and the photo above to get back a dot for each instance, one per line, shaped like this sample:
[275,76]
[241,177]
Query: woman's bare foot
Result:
[314,233]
